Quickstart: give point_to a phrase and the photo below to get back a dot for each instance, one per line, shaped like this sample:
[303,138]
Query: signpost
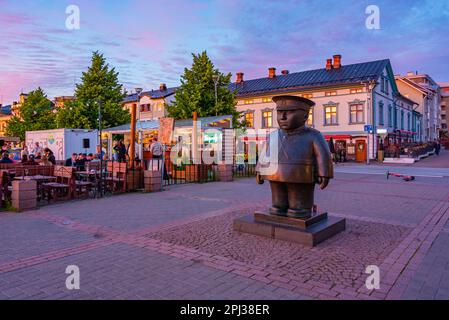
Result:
[368,129]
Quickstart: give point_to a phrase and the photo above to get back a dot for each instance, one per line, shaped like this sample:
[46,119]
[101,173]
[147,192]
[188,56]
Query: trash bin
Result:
[380,155]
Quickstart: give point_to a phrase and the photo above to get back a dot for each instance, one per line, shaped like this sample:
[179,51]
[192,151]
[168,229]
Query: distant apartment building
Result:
[61,101]
[152,103]
[5,115]
[347,98]
[422,89]
[444,104]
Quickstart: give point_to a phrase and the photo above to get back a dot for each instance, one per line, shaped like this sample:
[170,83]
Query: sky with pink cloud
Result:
[150,42]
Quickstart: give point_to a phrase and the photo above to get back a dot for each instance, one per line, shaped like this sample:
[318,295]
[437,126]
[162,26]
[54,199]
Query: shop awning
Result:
[337,136]
[206,122]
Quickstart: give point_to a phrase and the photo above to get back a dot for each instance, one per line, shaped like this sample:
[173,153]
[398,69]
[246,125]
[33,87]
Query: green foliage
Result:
[99,84]
[197,92]
[36,113]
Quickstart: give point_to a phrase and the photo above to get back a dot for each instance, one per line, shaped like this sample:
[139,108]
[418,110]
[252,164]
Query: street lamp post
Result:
[132,147]
[216,78]
[101,147]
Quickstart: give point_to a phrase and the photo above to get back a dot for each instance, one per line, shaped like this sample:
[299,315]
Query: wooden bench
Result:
[116,176]
[64,186]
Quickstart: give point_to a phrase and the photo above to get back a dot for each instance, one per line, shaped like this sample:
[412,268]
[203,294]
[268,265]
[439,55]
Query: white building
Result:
[347,97]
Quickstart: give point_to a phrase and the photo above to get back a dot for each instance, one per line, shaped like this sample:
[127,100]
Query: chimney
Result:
[285,72]
[271,72]
[162,87]
[329,64]
[239,77]
[337,61]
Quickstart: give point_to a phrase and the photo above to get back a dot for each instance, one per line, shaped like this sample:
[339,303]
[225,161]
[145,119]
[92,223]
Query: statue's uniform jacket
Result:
[303,157]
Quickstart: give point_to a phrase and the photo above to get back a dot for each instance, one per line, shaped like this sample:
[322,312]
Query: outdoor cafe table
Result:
[40,180]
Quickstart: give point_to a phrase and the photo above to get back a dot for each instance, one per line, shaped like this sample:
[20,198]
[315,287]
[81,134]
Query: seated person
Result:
[31,161]
[45,161]
[24,159]
[5,158]
[50,156]
[81,162]
[71,162]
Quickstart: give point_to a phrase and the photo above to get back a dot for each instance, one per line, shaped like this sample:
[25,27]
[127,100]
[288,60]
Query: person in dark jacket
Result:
[71,162]
[5,158]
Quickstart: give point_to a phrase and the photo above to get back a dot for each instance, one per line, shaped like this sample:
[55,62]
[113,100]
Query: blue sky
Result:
[150,42]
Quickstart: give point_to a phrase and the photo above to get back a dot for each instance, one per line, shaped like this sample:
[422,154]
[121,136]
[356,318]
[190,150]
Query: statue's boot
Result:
[299,214]
[278,211]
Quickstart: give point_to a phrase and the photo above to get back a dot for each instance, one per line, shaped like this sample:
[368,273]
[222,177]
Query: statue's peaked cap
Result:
[292,103]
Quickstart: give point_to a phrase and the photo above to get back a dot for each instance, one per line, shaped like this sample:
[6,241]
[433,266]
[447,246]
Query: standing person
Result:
[80,162]
[332,149]
[24,152]
[37,149]
[437,147]
[121,151]
[156,149]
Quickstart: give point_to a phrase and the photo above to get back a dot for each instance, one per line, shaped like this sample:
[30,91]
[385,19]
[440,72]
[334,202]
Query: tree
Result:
[36,113]
[197,92]
[99,85]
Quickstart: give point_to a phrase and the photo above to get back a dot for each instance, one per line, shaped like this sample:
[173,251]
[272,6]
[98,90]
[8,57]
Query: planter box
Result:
[24,195]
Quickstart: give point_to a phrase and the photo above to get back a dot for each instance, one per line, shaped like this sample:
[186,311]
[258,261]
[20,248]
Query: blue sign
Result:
[368,128]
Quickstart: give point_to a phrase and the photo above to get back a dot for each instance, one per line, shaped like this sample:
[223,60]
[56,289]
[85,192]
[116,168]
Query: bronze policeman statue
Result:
[304,160]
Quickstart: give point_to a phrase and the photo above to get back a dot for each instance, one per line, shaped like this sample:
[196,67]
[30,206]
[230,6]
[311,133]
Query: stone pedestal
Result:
[24,195]
[309,232]
[152,181]
[225,172]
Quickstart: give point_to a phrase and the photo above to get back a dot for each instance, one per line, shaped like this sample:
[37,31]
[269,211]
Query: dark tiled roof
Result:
[347,74]
[154,94]
[5,110]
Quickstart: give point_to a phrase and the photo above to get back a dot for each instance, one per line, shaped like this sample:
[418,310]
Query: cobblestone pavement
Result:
[179,244]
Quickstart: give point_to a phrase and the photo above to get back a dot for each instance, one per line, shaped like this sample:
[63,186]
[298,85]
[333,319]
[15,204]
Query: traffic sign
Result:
[368,128]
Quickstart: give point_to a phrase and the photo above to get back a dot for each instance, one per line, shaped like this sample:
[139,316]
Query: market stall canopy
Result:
[206,122]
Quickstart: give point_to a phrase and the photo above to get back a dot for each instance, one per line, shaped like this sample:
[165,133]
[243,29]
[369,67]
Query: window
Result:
[386,86]
[306,95]
[266,100]
[249,118]
[402,119]
[382,84]
[330,93]
[356,111]
[310,118]
[356,90]
[381,113]
[267,119]
[390,116]
[395,117]
[330,115]
[248,101]
[408,122]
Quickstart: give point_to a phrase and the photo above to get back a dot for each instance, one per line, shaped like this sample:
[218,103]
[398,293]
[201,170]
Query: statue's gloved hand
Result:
[259,178]
[323,182]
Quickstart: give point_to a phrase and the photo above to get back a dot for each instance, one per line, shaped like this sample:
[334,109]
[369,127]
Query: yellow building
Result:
[60,102]
[5,115]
